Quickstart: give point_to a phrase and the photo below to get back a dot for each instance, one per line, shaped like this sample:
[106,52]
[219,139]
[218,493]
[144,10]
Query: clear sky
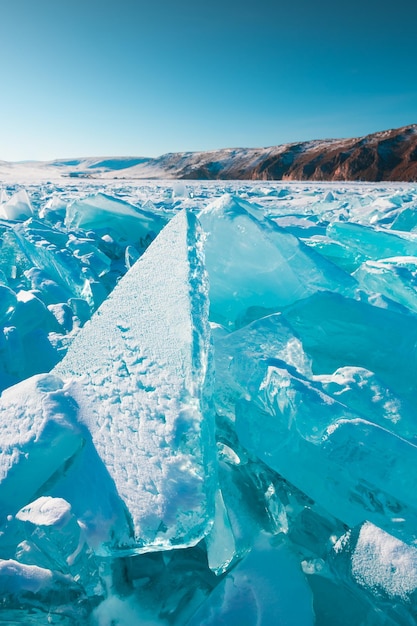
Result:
[144,77]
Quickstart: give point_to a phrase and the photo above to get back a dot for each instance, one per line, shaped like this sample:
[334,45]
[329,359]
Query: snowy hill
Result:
[386,155]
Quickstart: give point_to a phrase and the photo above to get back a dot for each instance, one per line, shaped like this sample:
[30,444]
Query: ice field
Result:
[208,410]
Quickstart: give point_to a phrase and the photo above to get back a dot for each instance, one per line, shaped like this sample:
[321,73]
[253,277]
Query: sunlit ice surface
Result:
[208,409]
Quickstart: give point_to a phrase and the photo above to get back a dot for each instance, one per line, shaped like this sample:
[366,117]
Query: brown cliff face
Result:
[388,155]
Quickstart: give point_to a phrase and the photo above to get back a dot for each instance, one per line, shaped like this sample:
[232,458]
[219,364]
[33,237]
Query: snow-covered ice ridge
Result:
[208,408]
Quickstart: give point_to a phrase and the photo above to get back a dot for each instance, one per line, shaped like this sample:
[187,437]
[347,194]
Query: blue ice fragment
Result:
[255,267]
[374,243]
[354,469]
[337,331]
[239,355]
[394,277]
[18,207]
[105,214]
[267,587]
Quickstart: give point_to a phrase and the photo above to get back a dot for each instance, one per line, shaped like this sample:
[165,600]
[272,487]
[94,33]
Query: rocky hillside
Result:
[389,155]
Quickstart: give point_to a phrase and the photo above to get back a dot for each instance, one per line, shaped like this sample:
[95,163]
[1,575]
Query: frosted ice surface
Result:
[255,267]
[144,366]
[46,511]
[379,561]
[316,420]
[384,562]
[17,577]
[38,435]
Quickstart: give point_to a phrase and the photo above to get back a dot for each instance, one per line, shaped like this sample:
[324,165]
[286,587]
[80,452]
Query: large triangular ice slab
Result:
[255,267]
[144,360]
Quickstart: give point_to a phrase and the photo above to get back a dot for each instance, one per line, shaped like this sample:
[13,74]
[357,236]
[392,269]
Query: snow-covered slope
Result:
[386,155]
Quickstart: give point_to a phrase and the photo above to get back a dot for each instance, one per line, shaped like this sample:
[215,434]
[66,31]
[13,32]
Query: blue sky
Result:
[139,77]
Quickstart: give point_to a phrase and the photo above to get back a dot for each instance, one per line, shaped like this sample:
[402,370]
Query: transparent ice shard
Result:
[364,393]
[48,290]
[336,252]
[13,261]
[395,278]
[7,303]
[39,434]
[338,332]
[63,316]
[86,250]
[374,243]
[18,207]
[239,354]
[57,597]
[143,363]
[29,312]
[255,267]
[352,468]
[103,213]
[251,500]
[4,196]
[338,604]
[267,587]
[54,209]
[54,259]
[221,547]
[406,220]
[55,539]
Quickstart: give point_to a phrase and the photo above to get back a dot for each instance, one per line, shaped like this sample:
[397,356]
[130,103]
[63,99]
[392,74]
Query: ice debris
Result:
[18,207]
[121,502]
[107,214]
[256,267]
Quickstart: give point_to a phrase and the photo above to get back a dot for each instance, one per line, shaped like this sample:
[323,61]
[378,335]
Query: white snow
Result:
[383,563]
[38,434]
[46,511]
